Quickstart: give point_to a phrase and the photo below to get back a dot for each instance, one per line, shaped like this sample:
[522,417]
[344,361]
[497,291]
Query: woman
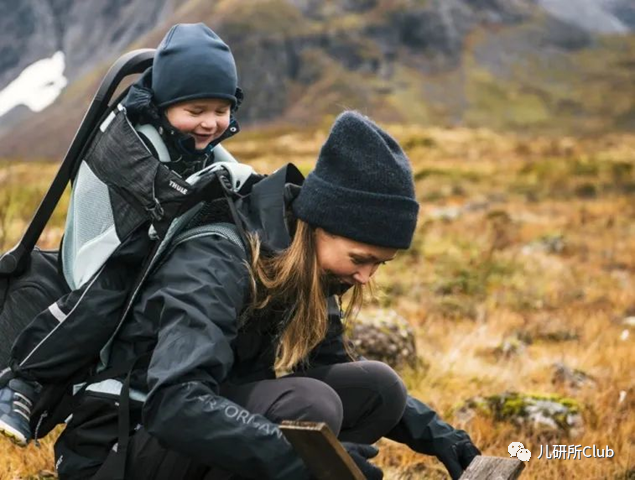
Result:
[220,317]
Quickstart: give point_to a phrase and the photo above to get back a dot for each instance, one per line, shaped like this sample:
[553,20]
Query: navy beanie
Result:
[193,62]
[362,186]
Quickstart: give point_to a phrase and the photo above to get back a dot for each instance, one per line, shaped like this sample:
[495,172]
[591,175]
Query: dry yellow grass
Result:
[478,275]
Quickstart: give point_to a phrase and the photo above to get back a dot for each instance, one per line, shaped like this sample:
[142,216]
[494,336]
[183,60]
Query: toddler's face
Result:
[205,119]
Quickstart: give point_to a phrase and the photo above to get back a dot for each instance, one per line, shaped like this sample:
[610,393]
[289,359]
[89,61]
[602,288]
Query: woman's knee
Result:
[389,387]
[311,400]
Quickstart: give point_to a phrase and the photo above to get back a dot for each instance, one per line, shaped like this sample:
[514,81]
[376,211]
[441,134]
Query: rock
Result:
[629,321]
[573,378]
[546,244]
[437,29]
[385,336]
[543,414]
[446,213]
[510,347]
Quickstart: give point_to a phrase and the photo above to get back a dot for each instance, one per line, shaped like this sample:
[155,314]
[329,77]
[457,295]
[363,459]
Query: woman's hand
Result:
[457,456]
[360,453]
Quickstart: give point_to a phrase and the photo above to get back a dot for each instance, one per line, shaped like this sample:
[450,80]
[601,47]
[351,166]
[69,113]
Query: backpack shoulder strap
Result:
[221,229]
[227,231]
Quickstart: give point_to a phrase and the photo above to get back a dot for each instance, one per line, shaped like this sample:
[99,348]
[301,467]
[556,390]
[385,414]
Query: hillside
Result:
[524,258]
[545,66]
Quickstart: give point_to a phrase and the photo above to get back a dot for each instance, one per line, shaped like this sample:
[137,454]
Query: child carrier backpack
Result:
[29,277]
[121,211]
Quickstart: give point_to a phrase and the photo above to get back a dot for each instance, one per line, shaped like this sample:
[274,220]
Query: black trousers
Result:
[360,401]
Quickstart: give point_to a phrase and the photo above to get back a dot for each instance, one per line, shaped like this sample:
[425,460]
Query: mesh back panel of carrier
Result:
[90,235]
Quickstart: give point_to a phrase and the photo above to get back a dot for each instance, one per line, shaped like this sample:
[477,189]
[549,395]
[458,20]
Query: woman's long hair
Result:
[293,278]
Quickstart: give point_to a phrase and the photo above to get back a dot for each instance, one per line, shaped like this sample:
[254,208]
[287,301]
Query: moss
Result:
[513,405]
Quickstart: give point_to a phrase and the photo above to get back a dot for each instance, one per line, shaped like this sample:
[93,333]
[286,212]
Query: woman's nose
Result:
[363,274]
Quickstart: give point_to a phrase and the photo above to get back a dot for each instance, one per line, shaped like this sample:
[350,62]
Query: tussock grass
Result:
[530,256]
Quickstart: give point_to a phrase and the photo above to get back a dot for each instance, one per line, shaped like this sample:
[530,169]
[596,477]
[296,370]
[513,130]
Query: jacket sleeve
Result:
[196,296]
[423,431]
[420,427]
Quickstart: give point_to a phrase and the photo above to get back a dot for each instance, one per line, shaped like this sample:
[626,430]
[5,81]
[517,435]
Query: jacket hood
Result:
[267,209]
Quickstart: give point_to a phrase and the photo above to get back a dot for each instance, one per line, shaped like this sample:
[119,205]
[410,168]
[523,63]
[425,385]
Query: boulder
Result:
[542,414]
[386,336]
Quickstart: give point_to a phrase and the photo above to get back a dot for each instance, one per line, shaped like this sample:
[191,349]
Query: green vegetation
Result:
[527,269]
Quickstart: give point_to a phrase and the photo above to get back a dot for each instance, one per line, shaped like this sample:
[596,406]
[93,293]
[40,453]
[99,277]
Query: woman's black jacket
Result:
[188,315]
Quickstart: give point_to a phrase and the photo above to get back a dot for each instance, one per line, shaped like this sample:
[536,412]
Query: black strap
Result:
[116,469]
[119,472]
[112,372]
[229,194]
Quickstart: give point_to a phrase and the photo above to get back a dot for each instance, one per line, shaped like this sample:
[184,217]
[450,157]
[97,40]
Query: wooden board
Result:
[321,451]
[493,468]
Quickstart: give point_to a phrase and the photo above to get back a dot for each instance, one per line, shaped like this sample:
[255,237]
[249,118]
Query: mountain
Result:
[528,65]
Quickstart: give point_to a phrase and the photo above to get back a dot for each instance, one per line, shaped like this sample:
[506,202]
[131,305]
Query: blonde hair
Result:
[293,277]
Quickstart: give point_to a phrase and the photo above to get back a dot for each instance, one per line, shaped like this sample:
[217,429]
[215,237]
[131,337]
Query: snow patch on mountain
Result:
[596,16]
[37,86]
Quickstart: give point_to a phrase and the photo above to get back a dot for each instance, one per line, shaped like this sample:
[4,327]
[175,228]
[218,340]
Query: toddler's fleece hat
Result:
[193,62]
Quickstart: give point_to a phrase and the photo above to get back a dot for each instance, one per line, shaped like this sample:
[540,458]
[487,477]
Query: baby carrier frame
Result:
[29,280]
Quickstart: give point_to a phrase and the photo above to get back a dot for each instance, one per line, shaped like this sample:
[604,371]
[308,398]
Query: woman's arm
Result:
[420,427]
[196,296]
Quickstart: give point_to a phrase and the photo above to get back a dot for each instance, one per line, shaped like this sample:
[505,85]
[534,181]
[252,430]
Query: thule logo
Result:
[178,187]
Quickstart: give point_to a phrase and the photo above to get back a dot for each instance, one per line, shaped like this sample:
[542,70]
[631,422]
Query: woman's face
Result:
[351,262]
[205,119]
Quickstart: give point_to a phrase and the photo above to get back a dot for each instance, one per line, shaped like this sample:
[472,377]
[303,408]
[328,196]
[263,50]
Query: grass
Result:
[531,256]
